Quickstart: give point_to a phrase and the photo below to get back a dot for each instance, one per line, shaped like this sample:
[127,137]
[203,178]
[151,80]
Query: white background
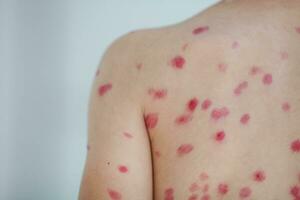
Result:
[49,52]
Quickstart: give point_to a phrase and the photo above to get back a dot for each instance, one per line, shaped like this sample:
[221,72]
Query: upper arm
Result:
[118,164]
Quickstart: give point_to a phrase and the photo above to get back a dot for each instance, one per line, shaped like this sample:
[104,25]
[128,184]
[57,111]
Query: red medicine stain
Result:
[206,104]
[242,86]
[183,119]
[200,30]
[169,194]
[255,70]
[223,188]
[245,119]
[194,187]
[104,88]
[219,136]
[222,67]
[298,29]
[184,149]
[127,135]
[151,120]
[219,113]
[295,192]
[192,104]
[114,195]
[295,146]
[157,94]
[267,79]
[205,197]
[193,197]
[245,192]
[286,106]
[259,176]
[123,169]
[178,62]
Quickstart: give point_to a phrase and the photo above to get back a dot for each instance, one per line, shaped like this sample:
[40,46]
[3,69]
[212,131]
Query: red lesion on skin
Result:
[222,67]
[184,149]
[254,70]
[194,187]
[183,119]
[245,119]
[267,79]
[139,66]
[295,146]
[157,93]
[123,168]
[219,136]
[286,106]
[205,197]
[193,197]
[206,104]
[192,104]
[178,62]
[295,192]
[104,88]
[169,194]
[114,195]
[203,176]
[223,188]
[219,113]
[297,29]
[259,176]
[151,120]
[245,192]
[127,135]
[200,30]
[240,87]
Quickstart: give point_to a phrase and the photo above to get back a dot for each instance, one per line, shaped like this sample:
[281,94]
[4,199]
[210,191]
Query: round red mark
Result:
[245,119]
[223,188]
[286,106]
[139,66]
[203,176]
[242,86]
[222,67]
[259,176]
[245,192]
[104,88]
[192,104]
[183,119]
[267,79]
[219,113]
[255,70]
[178,62]
[157,93]
[114,195]
[219,136]
[200,30]
[169,194]
[184,149]
[295,192]
[295,146]
[206,104]
[128,135]
[123,169]
[151,120]
[194,187]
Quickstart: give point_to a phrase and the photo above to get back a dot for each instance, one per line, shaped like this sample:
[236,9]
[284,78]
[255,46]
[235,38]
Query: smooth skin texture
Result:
[206,109]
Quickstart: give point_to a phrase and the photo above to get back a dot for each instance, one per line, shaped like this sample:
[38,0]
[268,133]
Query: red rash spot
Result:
[123,169]
[193,197]
[295,146]
[205,188]
[298,30]
[151,120]
[255,70]
[169,194]
[286,107]
[114,195]
[192,104]
[183,119]
[259,176]
[295,192]
[178,62]
[194,187]
[184,149]
[205,197]
[238,90]
[267,79]
[219,136]
[223,188]
[206,104]
[245,192]
[203,176]
[200,30]
[245,119]
[104,88]
[235,45]
[222,67]
[157,94]
[219,113]
[128,135]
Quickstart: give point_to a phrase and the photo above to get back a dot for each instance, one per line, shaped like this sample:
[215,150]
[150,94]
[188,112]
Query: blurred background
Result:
[49,52]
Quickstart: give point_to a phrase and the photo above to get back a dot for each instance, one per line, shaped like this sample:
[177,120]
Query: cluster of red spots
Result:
[123,169]
[284,55]
[205,197]
[151,120]
[104,88]
[259,176]
[222,67]
[178,62]
[295,146]
[245,192]
[295,192]
[184,149]
[235,45]
[239,89]
[206,104]
[127,135]
[183,119]
[157,93]
[298,29]
[245,119]
[200,30]
[169,194]
[255,70]
[223,188]
[220,136]
[139,66]
[193,197]
[194,187]
[203,176]
[286,106]
[114,195]
[219,113]
[267,79]
[192,104]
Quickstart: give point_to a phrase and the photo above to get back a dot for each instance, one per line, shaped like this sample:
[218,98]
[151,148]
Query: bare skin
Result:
[206,109]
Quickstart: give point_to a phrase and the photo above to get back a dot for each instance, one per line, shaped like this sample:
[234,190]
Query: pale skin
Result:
[206,109]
